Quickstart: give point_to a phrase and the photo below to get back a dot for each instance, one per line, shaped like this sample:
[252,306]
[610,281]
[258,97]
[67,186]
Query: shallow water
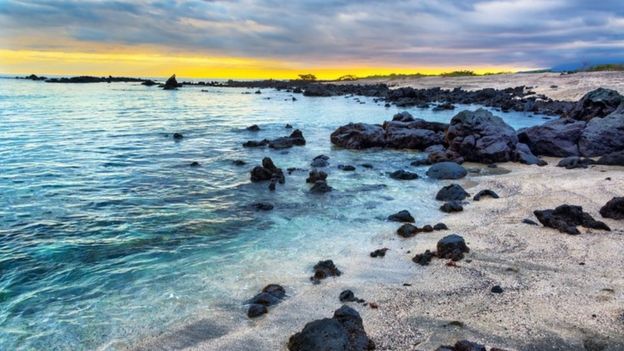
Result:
[107,235]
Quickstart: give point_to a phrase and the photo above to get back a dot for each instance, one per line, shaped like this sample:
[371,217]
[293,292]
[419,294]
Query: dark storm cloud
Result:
[442,32]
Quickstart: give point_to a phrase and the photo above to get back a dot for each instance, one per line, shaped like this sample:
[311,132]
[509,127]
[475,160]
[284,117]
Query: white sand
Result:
[569,87]
[550,301]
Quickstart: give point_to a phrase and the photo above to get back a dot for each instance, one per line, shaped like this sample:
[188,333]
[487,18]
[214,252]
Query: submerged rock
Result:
[178,136]
[613,209]
[566,218]
[325,269]
[343,332]
[253,128]
[320,187]
[316,175]
[452,192]
[268,172]
[263,206]
[446,170]
[295,138]
[402,216]
[320,161]
[403,175]
[485,192]
[452,247]
[346,168]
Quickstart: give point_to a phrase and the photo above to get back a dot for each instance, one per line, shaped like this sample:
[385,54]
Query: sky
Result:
[279,39]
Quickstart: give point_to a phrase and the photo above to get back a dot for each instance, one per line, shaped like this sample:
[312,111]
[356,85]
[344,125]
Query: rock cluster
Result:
[295,138]
[325,269]
[272,294]
[450,247]
[268,172]
[566,218]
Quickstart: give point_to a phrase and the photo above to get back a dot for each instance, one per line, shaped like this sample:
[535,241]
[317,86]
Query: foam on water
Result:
[107,235]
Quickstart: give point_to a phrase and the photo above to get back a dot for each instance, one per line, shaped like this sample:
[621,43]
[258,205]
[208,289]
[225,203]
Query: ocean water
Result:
[108,236]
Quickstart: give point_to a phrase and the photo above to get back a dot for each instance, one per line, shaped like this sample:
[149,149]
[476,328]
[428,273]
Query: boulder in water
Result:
[401,216]
[171,83]
[403,175]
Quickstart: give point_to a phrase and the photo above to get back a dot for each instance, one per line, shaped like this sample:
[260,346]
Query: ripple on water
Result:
[107,233]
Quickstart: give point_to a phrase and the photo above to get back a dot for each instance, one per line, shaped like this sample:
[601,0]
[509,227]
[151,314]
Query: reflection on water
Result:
[107,233]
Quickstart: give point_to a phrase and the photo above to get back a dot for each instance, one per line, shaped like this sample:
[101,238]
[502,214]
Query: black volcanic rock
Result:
[613,159]
[343,332]
[566,218]
[603,136]
[572,162]
[316,175]
[452,206]
[270,295]
[379,252]
[597,103]
[452,192]
[481,137]
[268,172]
[446,170]
[171,83]
[424,258]
[320,187]
[295,138]
[483,193]
[325,269]
[408,230]
[452,247]
[558,138]
[401,216]
[613,209]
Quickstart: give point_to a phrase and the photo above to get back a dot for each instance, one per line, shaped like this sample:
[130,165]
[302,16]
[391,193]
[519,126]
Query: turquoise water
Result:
[107,235]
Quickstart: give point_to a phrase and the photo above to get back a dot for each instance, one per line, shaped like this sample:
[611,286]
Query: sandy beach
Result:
[561,292]
[568,87]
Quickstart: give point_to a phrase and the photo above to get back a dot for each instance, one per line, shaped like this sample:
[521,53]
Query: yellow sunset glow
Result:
[218,67]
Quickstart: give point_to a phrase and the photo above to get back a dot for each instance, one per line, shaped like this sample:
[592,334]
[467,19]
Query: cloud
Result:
[314,32]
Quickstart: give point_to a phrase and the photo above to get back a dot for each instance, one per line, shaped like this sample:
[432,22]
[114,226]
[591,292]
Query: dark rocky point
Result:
[402,216]
[566,218]
[171,83]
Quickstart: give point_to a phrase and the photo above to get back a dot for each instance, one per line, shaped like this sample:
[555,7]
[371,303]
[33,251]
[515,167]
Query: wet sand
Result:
[561,292]
[569,87]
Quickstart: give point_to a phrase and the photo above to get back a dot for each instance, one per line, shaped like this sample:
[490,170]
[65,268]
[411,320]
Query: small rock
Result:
[324,269]
[528,221]
[496,289]
[452,247]
[253,128]
[178,136]
[486,192]
[239,163]
[367,165]
[423,259]
[346,168]
[320,187]
[401,216]
[320,161]
[347,296]
[440,226]
[288,126]
[194,164]
[427,228]
[256,310]
[407,230]
[452,206]
[316,175]
[452,192]
[379,252]
[263,206]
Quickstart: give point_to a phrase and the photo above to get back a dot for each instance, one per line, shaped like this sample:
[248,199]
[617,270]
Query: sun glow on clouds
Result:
[156,65]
